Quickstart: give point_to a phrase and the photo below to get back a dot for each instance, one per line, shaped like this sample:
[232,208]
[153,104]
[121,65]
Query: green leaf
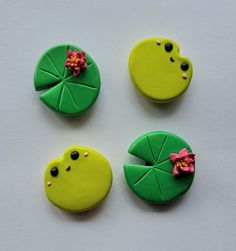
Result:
[64,92]
[156,183]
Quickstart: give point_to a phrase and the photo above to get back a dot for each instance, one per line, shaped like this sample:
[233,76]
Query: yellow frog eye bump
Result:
[77,183]
[158,71]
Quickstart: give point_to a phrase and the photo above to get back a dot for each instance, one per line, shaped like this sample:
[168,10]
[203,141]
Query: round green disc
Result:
[154,180]
[63,92]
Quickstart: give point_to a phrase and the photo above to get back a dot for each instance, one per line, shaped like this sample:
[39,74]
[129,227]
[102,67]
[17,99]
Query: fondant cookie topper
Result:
[158,70]
[79,181]
[168,171]
[69,78]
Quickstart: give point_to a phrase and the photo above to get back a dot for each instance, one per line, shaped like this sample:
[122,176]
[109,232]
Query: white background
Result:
[31,135]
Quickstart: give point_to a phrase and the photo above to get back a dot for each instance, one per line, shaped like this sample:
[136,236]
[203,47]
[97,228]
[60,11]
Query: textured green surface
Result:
[63,92]
[155,182]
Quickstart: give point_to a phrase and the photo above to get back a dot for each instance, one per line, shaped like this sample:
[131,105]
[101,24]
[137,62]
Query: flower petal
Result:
[174,157]
[183,152]
[190,155]
[191,168]
[69,53]
[82,61]
[84,66]
[82,53]
[189,160]
[76,71]
[185,168]
[175,171]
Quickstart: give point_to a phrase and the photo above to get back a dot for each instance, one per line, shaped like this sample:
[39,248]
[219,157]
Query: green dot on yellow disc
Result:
[158,70]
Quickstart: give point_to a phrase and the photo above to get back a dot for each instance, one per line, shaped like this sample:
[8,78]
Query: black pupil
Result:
[74,155]
[184,66]
[54,171]
[168,47]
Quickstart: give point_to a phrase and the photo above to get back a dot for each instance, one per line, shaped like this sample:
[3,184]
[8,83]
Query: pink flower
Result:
[76,61]
[183,162]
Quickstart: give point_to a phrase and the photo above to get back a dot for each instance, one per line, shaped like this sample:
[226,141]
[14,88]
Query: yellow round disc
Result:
[79,180]
[158,70]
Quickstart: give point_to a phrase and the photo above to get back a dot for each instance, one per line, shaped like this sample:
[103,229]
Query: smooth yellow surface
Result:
[154,74]
[83,187]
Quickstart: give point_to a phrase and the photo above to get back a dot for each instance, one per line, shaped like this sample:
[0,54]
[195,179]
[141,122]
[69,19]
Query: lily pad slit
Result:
[143,176]
[55,67]
[162,147]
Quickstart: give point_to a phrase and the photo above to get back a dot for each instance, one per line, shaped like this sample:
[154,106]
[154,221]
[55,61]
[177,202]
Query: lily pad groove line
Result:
[148,171]
[157,181]
[72,97]
[151,150]
[162,147]
[50,73]
[64,70]
[75,83]
[60,99]
[54,65]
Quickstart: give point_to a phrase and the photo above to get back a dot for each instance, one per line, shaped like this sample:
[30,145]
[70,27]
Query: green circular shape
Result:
[154,180]
[64,92]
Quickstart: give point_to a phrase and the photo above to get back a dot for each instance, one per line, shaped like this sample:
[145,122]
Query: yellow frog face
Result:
[78,181]
[158,70]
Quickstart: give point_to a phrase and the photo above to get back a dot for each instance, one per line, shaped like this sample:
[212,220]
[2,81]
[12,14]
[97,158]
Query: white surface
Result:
[31,135]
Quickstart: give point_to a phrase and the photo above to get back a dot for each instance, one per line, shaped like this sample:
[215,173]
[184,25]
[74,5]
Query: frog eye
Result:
[54,171]
[184,66]
[168,47]
[74,155]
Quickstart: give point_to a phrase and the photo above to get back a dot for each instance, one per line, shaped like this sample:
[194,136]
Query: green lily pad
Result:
[63,92]
[154,180]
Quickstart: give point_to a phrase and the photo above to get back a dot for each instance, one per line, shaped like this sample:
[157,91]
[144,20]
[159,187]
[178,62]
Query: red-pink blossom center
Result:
[181,164]
[73,61]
